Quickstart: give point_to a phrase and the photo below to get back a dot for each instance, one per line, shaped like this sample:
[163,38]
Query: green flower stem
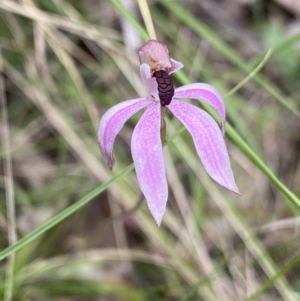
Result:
[163,128]
[147,18]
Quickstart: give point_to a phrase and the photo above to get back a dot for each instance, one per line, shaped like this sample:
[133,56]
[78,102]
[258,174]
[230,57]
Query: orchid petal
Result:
[208,140]
[175,66]
[149,81]
[112,122]
[147,154]
[206,93]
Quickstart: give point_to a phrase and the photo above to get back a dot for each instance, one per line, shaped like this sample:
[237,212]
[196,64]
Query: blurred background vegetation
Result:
[64,63]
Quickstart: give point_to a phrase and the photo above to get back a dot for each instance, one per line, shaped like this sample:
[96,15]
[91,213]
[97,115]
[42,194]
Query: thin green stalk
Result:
[203,30]
[163,129]
[283,271]
[237,139]
[147,18]
[62,215]
[251,74]
[122,9]
[9,189]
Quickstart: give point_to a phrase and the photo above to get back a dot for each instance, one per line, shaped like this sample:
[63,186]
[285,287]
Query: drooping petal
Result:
[206,93]
[147,153]
[175,66]
[112,122]
[149,81]
[208,141]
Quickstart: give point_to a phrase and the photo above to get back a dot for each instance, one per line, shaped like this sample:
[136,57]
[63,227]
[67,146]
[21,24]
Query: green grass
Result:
[65,63]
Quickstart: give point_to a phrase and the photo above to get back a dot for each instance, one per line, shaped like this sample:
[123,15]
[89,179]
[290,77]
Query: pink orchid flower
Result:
[146,145]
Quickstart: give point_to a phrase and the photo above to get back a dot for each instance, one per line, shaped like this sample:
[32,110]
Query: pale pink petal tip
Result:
[208,140]
[236,190]
[112,122]
[175,66]
[147,154]
[206,93]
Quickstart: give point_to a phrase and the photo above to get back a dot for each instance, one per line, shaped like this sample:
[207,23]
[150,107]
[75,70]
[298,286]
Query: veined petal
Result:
[175,66]
[208,141]
[112,122]
[147,153]
[206,93]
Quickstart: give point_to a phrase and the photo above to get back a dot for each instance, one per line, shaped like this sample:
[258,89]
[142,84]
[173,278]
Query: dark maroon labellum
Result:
[165,87]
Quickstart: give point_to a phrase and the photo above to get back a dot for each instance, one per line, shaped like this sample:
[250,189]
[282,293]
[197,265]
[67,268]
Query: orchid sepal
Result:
[112,122]
[147,154]
[212,152]
[175,66]
[206,93]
